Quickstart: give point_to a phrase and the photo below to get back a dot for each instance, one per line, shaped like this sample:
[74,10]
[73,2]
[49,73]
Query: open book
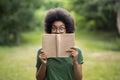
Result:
[55,45]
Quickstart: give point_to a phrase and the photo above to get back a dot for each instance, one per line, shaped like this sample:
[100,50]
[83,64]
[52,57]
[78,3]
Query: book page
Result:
[58,39]
[49,45]
[55,45]
[66,41]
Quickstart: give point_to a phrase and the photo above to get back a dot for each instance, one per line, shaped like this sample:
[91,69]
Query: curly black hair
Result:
[59,14]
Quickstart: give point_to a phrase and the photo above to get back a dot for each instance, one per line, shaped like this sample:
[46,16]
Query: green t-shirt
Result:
[59,68]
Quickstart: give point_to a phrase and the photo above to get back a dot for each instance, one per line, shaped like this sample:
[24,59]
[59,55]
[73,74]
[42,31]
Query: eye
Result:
[62,29]
[54,29]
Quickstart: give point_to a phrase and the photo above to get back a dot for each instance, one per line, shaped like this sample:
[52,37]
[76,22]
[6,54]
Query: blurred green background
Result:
[97,34]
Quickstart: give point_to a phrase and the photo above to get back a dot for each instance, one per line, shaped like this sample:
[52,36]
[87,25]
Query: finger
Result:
[42,52]
[69,50]
[72,55]
[43,55]
[73,48]
[43,58]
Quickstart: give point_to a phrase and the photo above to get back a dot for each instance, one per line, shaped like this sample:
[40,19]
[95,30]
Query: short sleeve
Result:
[80,56]
[38,61]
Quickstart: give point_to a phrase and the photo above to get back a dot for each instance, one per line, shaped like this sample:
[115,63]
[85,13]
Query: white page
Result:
[49,45]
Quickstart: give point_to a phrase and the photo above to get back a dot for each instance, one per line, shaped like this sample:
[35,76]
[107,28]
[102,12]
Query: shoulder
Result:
[80,56]
[78,49]
[38,62]
[39,51]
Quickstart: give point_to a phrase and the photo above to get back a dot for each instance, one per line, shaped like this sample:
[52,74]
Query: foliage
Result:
[101,14]
[16,16]
[49,4]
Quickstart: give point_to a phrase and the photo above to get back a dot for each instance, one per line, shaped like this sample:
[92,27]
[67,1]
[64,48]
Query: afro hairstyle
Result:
[59,14]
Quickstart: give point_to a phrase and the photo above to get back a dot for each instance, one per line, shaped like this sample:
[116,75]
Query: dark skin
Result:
[58,27]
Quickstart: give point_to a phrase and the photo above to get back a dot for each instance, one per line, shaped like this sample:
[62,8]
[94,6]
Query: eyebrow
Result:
[60,25]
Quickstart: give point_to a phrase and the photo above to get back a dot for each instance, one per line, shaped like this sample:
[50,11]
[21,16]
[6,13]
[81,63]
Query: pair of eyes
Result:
[61,28]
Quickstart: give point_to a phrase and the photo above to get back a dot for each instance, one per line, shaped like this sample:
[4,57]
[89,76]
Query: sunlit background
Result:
[97,34]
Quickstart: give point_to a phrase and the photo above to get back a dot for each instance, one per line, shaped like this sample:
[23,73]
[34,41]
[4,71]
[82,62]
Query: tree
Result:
[118,17]
[49,4]
[102,13]
[16,16]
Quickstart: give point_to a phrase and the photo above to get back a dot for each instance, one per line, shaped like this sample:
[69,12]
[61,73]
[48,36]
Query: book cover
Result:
[55,45]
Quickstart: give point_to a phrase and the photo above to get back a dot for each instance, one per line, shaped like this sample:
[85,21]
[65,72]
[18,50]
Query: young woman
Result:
[59,21]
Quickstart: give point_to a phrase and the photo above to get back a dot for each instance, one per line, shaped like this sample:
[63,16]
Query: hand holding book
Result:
[73,53]
[43,57]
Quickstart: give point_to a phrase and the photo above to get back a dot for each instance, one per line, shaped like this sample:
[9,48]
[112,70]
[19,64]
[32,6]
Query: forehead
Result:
[57,23]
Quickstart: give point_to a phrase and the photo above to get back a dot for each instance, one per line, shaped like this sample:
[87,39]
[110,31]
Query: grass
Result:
[99,40]
[101,57]
[101,66]
[17,63]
